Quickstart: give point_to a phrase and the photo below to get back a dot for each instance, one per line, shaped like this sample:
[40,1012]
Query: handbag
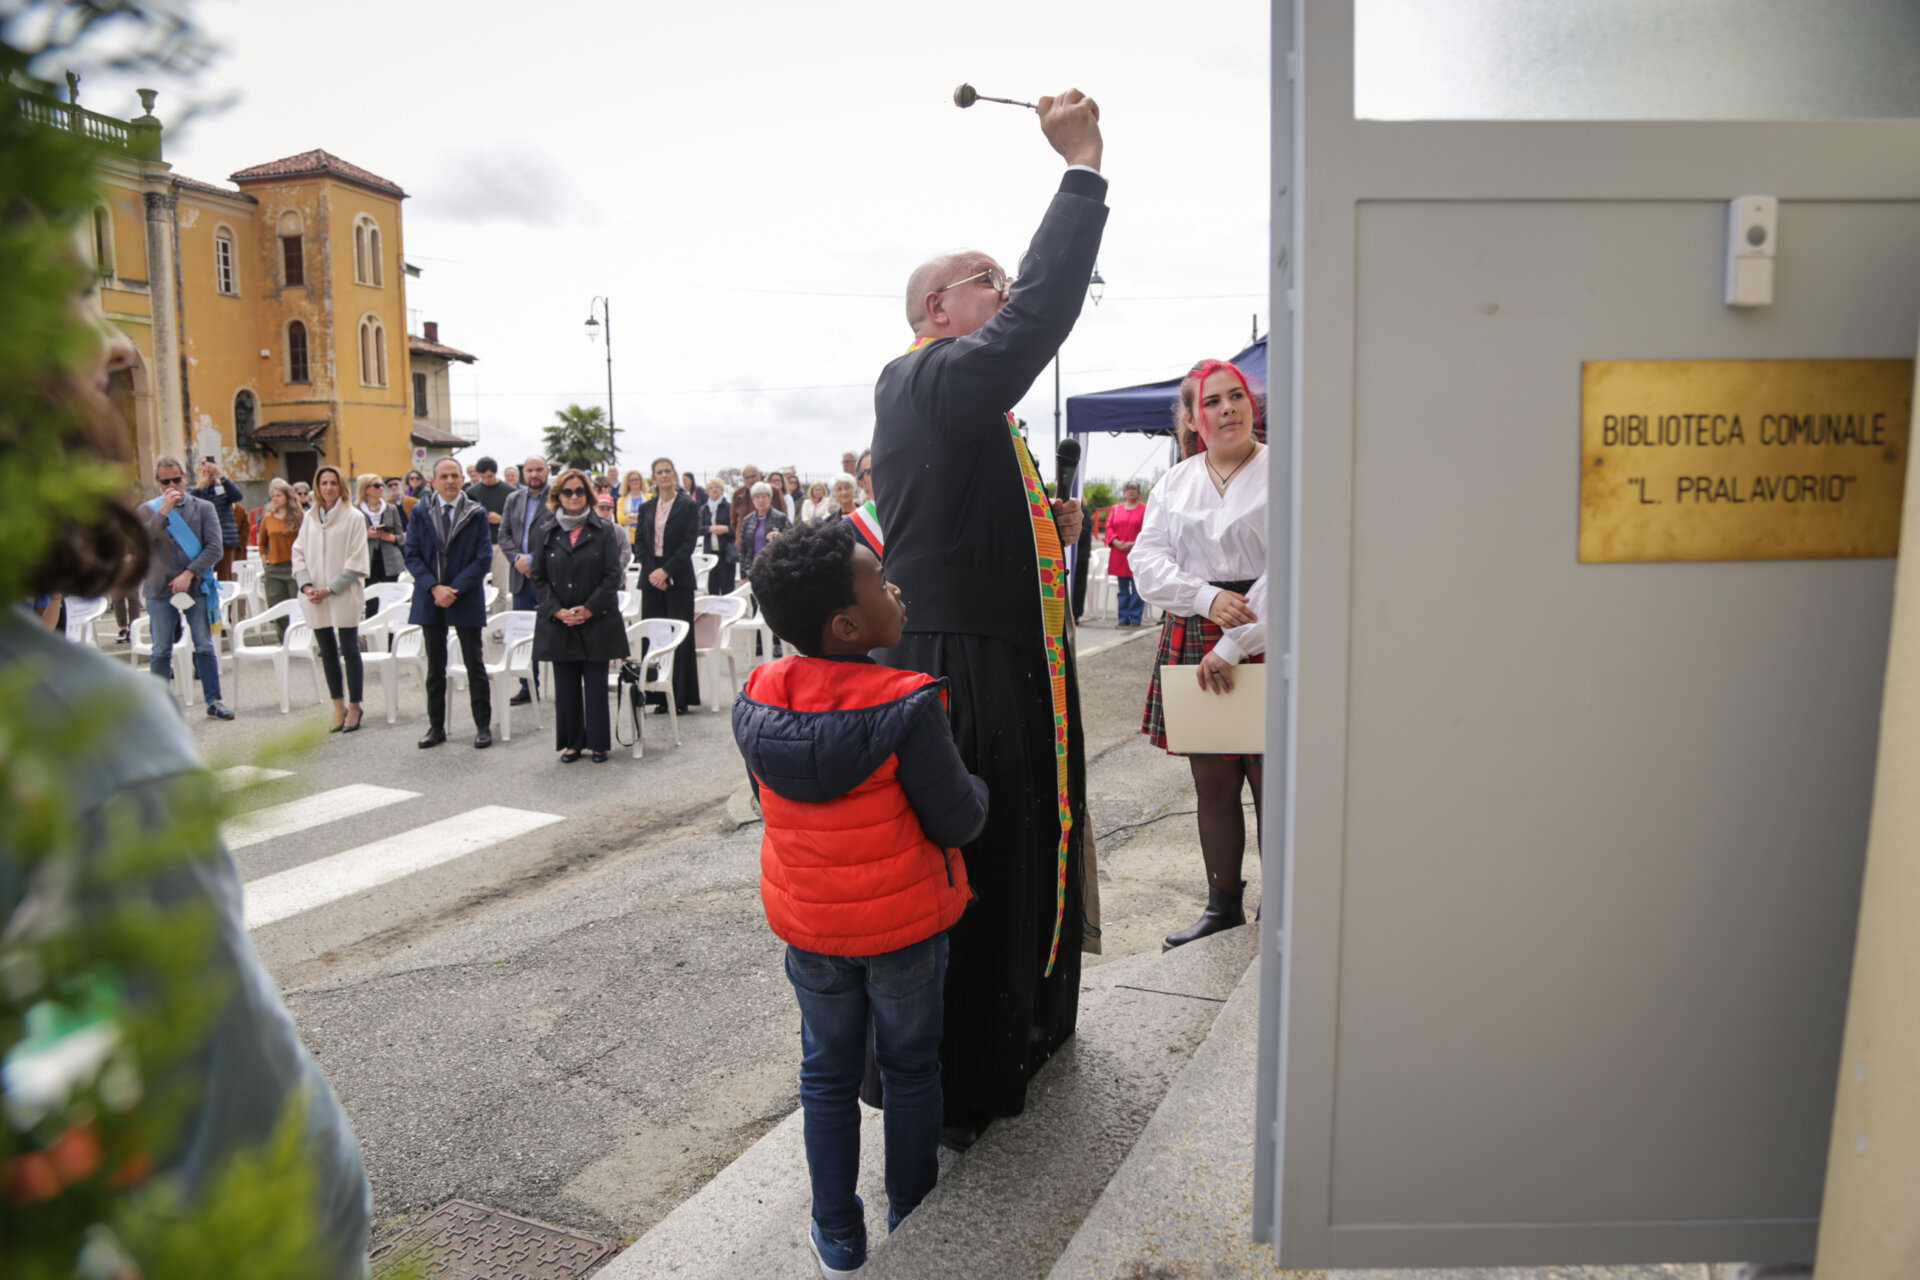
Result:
[627,695]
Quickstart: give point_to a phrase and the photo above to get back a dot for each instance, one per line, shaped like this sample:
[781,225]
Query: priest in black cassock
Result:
[974,545]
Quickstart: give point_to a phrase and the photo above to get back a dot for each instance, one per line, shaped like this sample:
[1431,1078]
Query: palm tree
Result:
[579,438]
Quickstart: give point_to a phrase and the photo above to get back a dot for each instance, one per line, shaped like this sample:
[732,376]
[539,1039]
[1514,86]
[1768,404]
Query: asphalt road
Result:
[585,1019]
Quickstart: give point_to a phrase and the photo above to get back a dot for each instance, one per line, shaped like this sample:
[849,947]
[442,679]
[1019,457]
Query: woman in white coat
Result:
[329,566]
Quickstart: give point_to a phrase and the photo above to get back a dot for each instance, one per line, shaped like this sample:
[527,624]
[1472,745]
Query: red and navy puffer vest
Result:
[845,868]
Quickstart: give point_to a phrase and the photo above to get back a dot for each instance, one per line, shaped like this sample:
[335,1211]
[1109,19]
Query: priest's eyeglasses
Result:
[996,280]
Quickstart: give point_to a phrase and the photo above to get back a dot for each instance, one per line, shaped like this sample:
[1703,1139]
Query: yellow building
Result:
[270,316]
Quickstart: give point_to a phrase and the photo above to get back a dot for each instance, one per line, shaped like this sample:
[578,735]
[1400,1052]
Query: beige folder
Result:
[1201,722]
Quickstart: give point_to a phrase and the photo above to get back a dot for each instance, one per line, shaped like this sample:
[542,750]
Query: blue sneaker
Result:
[837,1258]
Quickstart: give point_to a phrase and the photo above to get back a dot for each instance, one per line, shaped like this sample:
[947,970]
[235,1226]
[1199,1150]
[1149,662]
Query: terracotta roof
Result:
[425,433]
[421,347]
[194,184]
[310,163]
[307,431]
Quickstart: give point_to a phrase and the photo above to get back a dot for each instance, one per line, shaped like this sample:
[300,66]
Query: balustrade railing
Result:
[120,135]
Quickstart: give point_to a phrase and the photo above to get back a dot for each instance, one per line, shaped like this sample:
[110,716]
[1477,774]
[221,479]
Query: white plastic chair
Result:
[752,626]
[389,615]
[232,596]
[713,620]
[81,612]
[140,651]
[630,605]
[703,563]
[514,665]
[406,647]
[662,637]
[297,644]
[1102,593]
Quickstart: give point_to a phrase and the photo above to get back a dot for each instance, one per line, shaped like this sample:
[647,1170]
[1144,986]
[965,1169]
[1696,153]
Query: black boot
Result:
[1224,911]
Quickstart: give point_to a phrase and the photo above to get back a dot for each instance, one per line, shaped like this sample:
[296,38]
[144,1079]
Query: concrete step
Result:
[1180,1205]
[1008,1206]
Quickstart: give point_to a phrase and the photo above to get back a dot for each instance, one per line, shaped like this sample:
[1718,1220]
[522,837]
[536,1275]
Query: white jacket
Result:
[331,551]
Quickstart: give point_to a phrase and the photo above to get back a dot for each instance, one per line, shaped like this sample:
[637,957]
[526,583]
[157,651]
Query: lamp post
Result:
[1096,288]
[596,329]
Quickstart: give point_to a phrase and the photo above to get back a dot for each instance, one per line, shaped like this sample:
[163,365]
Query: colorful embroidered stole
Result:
[1052,564]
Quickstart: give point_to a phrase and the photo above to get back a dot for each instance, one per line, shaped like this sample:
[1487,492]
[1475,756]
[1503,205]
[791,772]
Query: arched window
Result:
[226,262]
[103,240]
[293,255]
[366,252]
[297,352]
[245,416]
[373,352]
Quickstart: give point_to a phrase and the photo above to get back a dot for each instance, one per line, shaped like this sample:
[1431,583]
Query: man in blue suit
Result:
[449,549]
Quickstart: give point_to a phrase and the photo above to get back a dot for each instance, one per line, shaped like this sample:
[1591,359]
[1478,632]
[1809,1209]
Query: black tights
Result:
[1223,823]
[333,652]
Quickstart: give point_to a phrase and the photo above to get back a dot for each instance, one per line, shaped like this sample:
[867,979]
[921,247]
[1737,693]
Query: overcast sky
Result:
[750,184]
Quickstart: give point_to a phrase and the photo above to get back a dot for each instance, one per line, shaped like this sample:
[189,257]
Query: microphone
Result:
[1066,463]
[966,95]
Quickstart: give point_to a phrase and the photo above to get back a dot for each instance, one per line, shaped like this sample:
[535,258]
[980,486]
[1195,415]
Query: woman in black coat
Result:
[666,573]
[576,588]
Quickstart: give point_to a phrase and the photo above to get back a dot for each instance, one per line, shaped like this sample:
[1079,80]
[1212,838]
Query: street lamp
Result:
[1096,289]
[596,329]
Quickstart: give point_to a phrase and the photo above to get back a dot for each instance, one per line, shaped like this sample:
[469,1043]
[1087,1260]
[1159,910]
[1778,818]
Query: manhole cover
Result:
[462,1241]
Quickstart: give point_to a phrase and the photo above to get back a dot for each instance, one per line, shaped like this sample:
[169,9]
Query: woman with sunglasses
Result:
[329,566]
[1201,555]
[576,584]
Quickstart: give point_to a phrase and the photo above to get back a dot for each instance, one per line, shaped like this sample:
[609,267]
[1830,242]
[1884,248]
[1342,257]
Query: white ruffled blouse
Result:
[1195,536]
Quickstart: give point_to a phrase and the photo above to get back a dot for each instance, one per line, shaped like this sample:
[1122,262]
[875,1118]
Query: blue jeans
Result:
[903,992]
[164,620]
[1130,603]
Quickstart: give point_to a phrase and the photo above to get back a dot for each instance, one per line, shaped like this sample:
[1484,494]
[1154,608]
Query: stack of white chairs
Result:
[298,643]
[140,650]
[82,613]
[662,638]
[1102,594]
[713,621]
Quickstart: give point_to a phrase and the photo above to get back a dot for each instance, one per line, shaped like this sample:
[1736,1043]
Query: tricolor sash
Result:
[1052,573]
[866,522]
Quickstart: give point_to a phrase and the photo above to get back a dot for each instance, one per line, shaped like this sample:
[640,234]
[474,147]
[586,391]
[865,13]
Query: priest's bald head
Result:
[952,295]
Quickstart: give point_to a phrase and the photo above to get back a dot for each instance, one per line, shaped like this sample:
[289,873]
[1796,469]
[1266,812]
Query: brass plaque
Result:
[1742,459]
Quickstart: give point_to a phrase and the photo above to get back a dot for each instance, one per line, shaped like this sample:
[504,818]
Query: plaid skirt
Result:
[1183,642]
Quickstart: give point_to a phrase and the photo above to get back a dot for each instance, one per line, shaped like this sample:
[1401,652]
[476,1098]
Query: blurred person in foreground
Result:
[157,1071]
[975,547]
[866,801]
[576,578]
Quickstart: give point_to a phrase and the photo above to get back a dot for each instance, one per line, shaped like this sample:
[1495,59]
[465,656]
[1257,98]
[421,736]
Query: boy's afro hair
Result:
[802,579]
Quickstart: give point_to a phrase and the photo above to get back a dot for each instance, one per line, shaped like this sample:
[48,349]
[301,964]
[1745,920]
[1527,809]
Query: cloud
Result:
[509,183]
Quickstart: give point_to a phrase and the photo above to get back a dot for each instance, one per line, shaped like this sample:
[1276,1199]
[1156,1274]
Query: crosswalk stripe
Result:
[315,884]
[242,776]
[274,821]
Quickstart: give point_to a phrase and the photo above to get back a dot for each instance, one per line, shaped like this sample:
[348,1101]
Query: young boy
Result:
[865,801]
